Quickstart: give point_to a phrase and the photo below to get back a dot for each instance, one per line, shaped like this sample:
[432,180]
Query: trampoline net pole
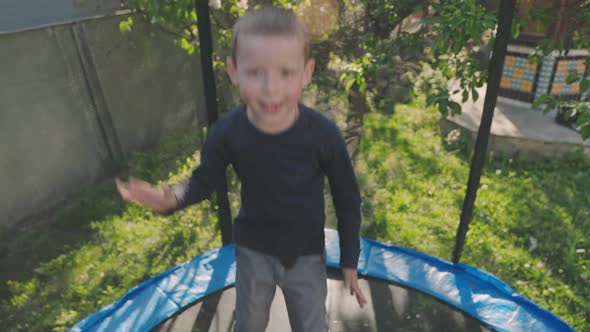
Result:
[205,51]
[505,15]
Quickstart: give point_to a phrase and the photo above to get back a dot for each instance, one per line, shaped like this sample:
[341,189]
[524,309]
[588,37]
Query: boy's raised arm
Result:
[208,175]
[202,182]
[140,192]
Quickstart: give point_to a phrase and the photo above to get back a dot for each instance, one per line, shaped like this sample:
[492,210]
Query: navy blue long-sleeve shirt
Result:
[282,175]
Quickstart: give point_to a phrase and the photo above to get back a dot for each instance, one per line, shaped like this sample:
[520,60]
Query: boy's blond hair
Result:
[269,21]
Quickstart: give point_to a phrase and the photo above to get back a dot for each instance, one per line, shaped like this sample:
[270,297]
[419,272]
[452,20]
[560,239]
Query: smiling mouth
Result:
[270,108]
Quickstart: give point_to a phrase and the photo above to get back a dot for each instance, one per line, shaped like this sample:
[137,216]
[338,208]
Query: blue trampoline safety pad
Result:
[481,295]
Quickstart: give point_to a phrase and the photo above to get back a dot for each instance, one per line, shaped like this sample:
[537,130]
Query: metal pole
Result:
[205,47]
[505,15]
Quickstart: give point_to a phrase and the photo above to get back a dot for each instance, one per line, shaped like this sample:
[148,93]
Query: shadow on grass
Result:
[549,206]
[547,202]
[398,159]
[541,208]
[28,252]
[549,210]
[23,250]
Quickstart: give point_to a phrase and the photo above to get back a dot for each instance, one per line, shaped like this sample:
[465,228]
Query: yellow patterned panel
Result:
[531,67]
[505,83]
[518,73]
[580,67]
[509,61]
[527,86]
[575,88]
[562,66]
[556,89]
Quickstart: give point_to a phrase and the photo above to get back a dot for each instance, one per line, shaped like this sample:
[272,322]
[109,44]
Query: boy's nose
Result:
[271,84]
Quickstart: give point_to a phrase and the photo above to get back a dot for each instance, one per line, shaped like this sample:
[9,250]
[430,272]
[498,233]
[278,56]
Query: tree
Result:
[448,37]
[451,38]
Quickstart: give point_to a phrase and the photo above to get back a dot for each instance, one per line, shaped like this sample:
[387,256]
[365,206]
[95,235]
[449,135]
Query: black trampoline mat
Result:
[390,308]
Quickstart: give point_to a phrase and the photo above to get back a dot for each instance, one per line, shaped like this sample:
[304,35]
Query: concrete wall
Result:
[75,97]
[20,15]
[507,147]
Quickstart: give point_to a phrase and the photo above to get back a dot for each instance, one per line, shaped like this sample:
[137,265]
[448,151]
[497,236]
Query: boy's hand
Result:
[351,282]
[146,195]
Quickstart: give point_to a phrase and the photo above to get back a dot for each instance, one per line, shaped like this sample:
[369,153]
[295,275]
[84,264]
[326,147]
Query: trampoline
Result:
[407,291]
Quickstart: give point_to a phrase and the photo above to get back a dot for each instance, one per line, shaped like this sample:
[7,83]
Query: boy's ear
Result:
[231,69]
[308,71]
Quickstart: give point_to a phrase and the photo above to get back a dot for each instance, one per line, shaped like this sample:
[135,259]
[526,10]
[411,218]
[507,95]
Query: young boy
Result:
[281,151]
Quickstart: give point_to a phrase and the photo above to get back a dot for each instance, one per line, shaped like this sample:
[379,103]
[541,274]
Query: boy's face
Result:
[270,73]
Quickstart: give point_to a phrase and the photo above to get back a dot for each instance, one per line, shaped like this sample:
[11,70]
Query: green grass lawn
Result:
[531,225]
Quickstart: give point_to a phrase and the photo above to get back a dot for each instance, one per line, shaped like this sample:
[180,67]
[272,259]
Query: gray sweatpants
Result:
[304,287]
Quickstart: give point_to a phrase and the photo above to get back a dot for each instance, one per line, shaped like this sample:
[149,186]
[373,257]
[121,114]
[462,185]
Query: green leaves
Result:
[542,16]
[459,23]
[179,18]
[125,26]
[465,96]
[583,120]
[583,124]
[547,102]
[516,26]
[187,46]
[475,94]
[573,77]
[462,28]
[455,107]
[581,109]
[356,72]
[444,104]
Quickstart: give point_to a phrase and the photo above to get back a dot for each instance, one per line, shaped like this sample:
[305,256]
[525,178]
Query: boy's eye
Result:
[253,72]
[287,72]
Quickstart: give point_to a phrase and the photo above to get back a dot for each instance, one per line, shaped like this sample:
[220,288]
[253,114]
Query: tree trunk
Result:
[357,108]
